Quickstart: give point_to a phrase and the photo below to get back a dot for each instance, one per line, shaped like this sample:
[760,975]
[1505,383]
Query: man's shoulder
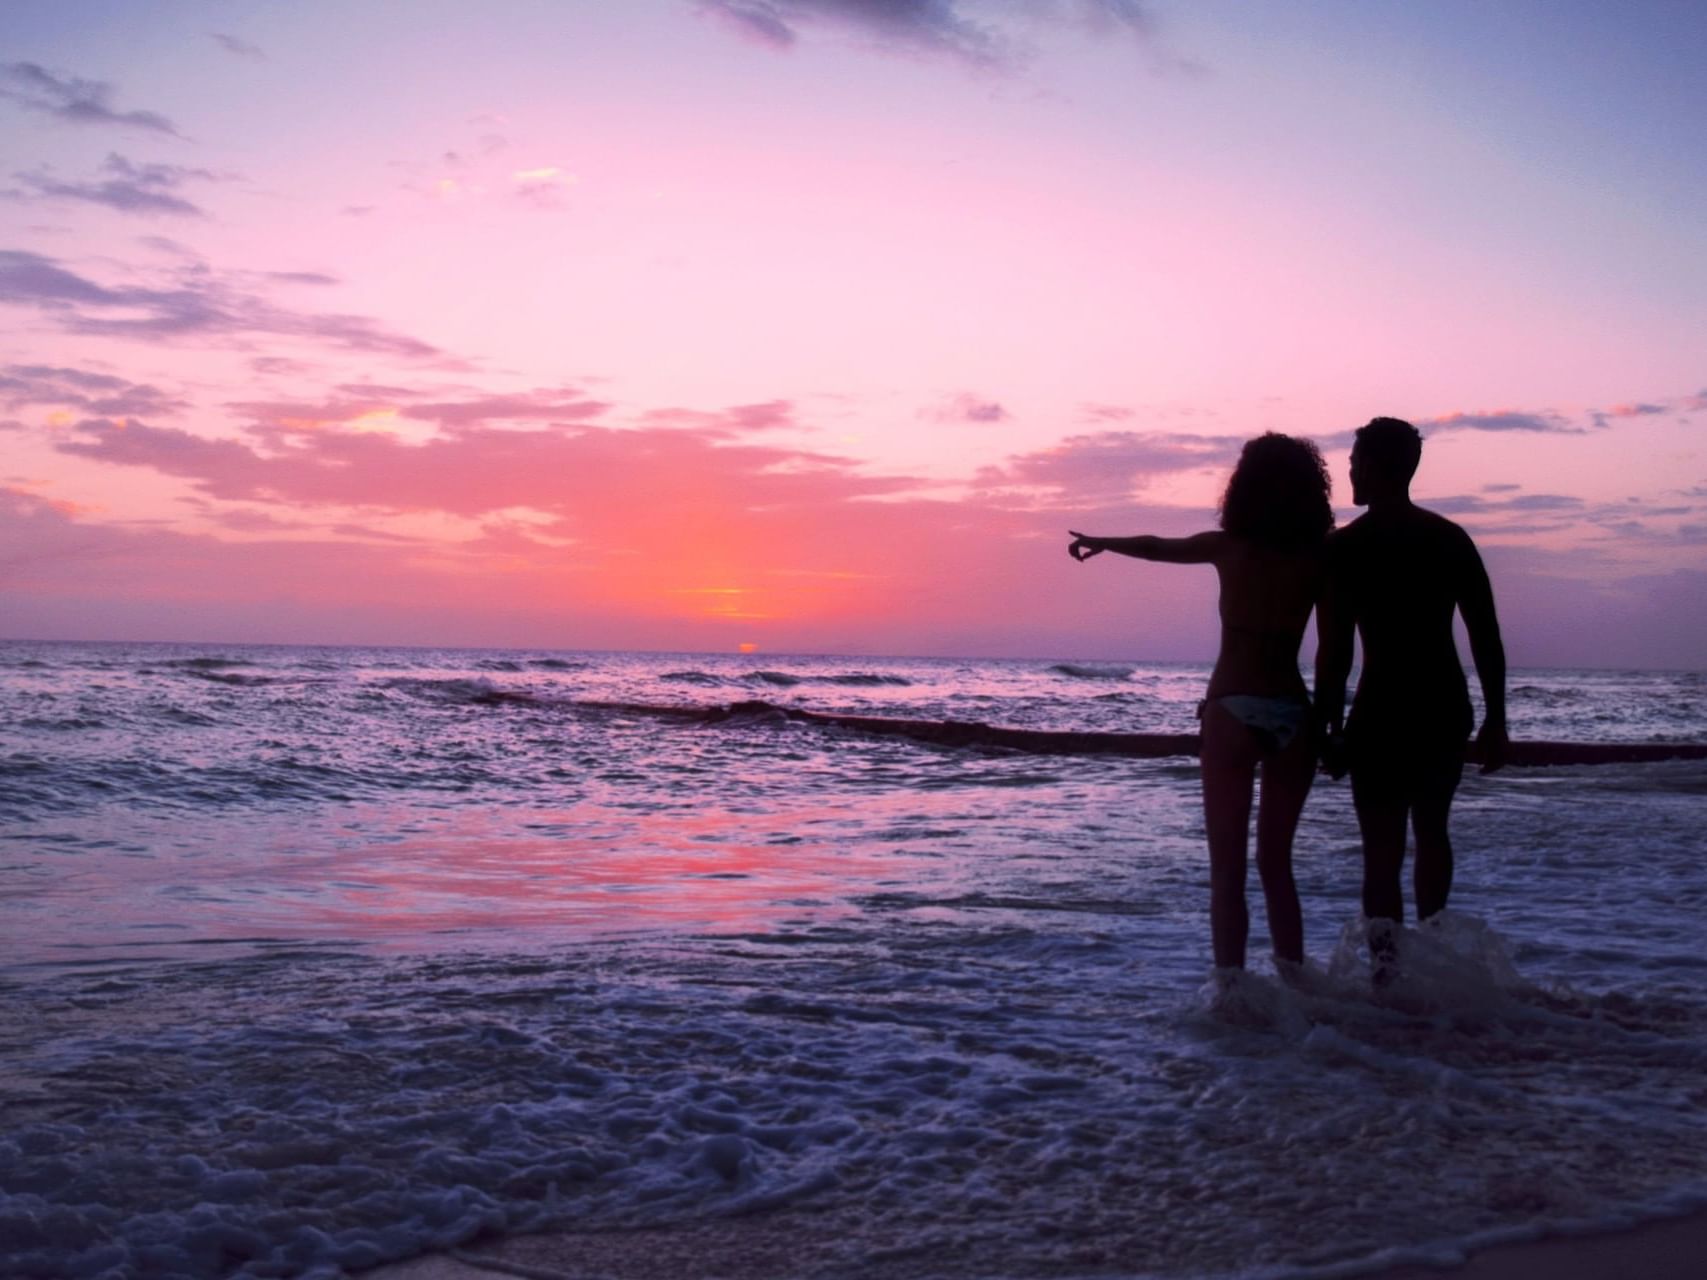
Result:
[1413,520]
[1438,526]
[1349,538]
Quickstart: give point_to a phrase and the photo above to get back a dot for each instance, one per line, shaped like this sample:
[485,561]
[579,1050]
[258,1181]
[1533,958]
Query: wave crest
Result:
[1092,671]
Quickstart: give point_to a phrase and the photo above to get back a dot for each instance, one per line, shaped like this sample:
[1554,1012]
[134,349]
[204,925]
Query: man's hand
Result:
[1083,546]
[1335,762]
[1491,745]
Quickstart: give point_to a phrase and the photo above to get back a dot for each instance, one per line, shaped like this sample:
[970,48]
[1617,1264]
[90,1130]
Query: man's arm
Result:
[1200,548]
[1487,651]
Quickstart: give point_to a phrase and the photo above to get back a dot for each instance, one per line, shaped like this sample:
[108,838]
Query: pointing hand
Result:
[1083,546]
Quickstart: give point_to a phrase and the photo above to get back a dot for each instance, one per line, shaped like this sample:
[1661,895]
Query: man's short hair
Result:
[1392,445]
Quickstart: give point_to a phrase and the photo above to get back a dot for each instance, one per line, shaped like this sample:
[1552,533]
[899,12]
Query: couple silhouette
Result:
[1394,577]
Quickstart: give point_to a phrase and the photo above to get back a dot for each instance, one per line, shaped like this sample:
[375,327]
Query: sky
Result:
[814,325]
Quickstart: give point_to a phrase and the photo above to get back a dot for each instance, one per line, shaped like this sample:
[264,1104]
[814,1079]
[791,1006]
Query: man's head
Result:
[1384,456]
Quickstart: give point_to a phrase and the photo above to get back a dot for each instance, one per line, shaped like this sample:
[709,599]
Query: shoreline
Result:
[769,1248]
[1669,1248]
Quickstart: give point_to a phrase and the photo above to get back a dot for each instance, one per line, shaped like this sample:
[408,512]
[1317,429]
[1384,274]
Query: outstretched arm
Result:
[1200,548]
[1476,604]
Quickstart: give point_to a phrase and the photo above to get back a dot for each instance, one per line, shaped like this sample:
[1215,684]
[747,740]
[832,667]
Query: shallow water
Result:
[315,958]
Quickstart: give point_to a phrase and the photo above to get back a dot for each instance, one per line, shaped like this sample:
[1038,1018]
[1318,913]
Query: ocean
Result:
[315,958]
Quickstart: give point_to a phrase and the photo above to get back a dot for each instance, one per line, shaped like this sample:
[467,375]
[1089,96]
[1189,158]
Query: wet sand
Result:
[791,1246]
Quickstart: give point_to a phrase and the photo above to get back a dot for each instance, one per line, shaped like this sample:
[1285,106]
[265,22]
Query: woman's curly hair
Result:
[1278,493]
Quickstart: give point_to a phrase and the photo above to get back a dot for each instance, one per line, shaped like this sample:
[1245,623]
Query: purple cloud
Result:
[934,28]
[578,473]
[760,23]
[73,100]
[1109,466]
[282,366]
[146,189]
[95,393]
[1499,420]
[242,48]
[1464,504]
[967,407]
[1106,412]
[302,277]
[1604,417]
[726,423]
[537,407]
[204,305]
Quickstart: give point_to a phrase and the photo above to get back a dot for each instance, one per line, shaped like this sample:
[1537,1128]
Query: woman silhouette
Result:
[1268,553]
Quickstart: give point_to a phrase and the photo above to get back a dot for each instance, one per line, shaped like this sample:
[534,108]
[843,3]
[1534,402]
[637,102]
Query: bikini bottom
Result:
[1273,721]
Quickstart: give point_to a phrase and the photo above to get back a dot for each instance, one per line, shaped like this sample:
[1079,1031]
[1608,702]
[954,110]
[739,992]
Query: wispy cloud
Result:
[543,186]
[1500,420]
[1109,466]
[242,48]
[1092,412]
[767,415]
[72,99]
[941,28]
[562,405]
[374,406]
[148,189]
[967,407]
[1530,503]
[199,304]
[302,277]
[1639,409]
[80,389]
[575,473]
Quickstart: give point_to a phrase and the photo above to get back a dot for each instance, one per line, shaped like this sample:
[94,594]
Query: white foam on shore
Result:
[1031,1089]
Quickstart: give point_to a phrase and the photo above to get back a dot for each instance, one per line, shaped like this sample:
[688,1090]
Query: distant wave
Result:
[205,664]
[497,664]
[855,679]
[702,678]
[1548,697]
[471,689]
[557,664]
[943,733]
[61,723]
[972,733]
[1092,671]
[229,677]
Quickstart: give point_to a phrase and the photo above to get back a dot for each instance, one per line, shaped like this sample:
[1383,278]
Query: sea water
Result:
[316,958]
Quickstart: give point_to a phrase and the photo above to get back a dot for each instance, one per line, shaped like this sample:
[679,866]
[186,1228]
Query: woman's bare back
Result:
[1267,595]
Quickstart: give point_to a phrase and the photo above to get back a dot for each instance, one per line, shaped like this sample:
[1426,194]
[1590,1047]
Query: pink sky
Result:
[814,324]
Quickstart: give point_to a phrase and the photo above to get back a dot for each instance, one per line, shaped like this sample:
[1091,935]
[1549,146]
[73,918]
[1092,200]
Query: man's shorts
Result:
[1401,759]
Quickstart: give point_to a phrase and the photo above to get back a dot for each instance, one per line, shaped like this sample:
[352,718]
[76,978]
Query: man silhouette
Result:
[1396,574]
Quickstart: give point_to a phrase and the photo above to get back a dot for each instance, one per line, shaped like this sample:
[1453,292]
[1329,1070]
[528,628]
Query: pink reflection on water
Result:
[399,877]
[598,870]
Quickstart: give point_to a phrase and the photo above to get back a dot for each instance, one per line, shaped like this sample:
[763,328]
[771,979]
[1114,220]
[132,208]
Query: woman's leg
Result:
[1229,765]
[1286,779]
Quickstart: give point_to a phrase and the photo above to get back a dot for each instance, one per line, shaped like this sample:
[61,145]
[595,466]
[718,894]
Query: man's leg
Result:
[1379,795]
[1229,768]
[1286,779]
[1436,786]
